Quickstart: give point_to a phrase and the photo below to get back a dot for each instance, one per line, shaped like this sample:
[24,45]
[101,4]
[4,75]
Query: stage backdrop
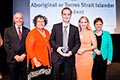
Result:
[105,9]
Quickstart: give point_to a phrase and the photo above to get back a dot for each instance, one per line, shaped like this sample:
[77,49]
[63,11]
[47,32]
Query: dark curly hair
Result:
[98,19]
[39,16]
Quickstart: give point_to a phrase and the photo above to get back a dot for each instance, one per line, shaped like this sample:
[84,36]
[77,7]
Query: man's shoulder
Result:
[57,24]
[9,28]
[73,26]
[25,28]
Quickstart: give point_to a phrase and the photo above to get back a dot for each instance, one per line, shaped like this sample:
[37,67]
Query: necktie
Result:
[19,33]
[65,36]
[65,39]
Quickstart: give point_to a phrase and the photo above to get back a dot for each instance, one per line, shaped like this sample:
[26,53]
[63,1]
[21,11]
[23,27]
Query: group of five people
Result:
[89,52]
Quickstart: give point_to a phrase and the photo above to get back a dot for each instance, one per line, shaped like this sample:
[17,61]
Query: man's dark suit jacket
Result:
[56,40]
[13,45]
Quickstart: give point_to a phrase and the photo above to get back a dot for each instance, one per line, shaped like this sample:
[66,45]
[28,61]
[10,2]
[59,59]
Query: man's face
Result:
[18,19]
[66,15]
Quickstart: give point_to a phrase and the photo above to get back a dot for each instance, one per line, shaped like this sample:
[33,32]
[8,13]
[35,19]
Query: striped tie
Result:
[19,33]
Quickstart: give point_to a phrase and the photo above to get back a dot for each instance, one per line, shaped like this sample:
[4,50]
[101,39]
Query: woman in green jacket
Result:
[104,52]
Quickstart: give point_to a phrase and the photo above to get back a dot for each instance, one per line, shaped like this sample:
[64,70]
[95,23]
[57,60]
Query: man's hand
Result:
[68,54]
[17,58]
[59,50]
[22,57]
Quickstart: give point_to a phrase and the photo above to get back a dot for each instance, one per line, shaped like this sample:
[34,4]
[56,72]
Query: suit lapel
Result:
[103,40]
[15,33]
[17,40]
[70,33]
[61,33]
[23,34]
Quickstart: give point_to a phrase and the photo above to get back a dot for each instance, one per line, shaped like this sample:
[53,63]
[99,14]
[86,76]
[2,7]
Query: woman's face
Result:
[40,23]
[98,25]
[83,23]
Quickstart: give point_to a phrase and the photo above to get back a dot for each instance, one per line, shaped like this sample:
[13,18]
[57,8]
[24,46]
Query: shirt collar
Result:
[17,27]
[64,24]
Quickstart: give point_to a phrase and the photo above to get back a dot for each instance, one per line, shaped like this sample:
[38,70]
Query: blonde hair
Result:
[88,27]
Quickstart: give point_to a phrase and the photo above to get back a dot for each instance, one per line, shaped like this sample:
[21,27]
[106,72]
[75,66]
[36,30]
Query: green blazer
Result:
[106,48]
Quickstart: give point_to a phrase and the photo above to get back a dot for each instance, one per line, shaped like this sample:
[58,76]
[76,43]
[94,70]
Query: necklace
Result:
[99,33]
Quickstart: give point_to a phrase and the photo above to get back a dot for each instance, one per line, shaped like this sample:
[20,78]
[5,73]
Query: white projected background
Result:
[105,9]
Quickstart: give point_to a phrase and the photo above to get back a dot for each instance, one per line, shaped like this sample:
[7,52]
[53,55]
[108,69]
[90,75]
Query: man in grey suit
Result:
[64,49]
[14,43]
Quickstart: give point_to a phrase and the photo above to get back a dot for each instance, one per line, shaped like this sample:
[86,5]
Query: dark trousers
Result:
[62,66]
[18,71]
[99,68]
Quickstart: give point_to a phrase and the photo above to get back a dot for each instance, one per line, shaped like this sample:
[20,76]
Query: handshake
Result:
[64,51]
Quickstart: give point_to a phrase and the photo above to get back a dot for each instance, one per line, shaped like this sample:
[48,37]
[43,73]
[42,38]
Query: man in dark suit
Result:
[63,56]
[14,43]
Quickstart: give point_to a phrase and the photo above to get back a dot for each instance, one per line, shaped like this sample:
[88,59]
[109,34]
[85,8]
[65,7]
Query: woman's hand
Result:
[109,62]
[97,52]
[36,62]
[80,51]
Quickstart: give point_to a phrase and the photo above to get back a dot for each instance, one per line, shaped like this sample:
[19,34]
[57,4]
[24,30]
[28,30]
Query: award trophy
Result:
[65,49]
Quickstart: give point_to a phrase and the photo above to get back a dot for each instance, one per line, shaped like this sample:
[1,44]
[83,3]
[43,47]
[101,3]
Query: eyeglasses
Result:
[40,21]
